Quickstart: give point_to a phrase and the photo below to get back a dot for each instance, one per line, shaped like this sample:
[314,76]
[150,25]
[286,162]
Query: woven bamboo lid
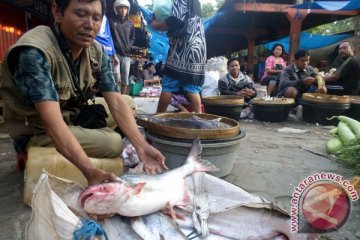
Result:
[223,100]
[273,101]
[354,99]
[189,133]
[325,98]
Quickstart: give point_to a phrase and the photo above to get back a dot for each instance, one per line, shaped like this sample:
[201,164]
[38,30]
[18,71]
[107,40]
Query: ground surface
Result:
[268,163]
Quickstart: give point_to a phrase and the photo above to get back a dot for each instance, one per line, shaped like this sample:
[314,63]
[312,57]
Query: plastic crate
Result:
[135,89]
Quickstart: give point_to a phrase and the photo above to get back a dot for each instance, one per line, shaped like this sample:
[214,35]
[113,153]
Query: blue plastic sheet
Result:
[309,41]
[159,42]
[331,5]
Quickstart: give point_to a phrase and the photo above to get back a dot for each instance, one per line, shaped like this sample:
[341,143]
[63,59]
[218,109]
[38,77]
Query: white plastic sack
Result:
[51,217]
[210,87]
[162,9]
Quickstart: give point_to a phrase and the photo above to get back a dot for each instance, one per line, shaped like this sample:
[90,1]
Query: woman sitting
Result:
[274,66]
[149,71]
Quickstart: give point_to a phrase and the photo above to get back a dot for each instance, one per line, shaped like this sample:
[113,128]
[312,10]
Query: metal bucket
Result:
[220,152]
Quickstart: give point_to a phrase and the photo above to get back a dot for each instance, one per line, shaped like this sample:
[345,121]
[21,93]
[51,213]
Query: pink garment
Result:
[270,63]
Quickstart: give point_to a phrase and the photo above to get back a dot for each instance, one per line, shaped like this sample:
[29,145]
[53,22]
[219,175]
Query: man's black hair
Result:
[62,4]
[301,53]
[231,60]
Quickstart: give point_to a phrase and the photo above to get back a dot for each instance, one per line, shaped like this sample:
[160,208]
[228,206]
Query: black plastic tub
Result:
[230,111]
[314,112]
[354,111]
[271,113]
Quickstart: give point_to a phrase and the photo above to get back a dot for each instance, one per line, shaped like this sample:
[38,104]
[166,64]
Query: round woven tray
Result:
[354,99]
[325,98]
[274,101]
[223,100]
[189,133]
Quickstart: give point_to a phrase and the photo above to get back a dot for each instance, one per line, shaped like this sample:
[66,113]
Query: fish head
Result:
[99,198]
[105,198]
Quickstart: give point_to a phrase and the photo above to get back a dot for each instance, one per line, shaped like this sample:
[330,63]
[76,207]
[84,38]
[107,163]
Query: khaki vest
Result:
[20,117]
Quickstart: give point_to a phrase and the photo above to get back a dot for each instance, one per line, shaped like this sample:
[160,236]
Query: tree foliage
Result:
[209,9]
[334,27]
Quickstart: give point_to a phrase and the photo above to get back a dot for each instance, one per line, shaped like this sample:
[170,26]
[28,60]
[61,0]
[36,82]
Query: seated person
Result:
[298,78]
[65,68]
[274,66]
[347,74]
[235,82]
[149,71]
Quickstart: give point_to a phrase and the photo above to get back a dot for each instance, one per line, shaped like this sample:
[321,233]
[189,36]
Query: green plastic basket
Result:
[135,88]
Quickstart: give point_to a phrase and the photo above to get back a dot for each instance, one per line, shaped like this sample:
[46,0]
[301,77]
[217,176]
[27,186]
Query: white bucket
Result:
[260,90]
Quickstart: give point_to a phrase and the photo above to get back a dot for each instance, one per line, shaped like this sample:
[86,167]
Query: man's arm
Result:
[66,143]
[223,86]
[159,25]
[34,82]
[154,161]
[286,81]
[132,36]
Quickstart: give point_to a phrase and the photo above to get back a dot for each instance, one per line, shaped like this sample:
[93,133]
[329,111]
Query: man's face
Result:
[80,22]
[302,62]
[122,11]
[345,50]
[234,68]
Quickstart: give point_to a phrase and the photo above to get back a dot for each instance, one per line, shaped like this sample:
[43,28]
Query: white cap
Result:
[121,3]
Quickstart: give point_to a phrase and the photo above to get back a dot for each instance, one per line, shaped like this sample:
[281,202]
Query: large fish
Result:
[156,226]
[193,122]
[141,194]
[244,223]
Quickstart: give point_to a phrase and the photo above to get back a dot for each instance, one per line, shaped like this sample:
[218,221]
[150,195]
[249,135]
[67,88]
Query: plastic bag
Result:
[162,9]
[210,87]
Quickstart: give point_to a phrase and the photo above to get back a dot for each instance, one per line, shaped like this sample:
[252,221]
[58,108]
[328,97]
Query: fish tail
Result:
[198,164]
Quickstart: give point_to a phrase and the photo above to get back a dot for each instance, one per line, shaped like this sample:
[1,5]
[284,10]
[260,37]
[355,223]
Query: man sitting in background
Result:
[235,82]
[298,78]
[347,74]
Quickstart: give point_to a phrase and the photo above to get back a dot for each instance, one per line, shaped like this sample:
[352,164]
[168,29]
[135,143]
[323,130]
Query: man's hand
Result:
[241,93]
[115,60]
[97,175]
[153,160]
[308,81]
[246,92]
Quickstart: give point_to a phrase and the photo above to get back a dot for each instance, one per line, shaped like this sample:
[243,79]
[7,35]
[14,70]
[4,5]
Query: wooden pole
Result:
[295,16]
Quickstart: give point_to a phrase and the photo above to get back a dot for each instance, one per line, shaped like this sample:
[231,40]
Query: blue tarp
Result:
[159,42]
[331,5]
[309,41]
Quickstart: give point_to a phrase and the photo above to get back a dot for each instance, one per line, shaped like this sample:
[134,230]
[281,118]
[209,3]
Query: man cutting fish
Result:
[50,74]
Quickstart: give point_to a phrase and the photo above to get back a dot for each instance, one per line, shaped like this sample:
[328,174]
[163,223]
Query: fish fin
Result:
[194,158]
[217,119]
[196,149]
[169,210]
[179,217]
[184,201]
[138,187]
[203,165]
